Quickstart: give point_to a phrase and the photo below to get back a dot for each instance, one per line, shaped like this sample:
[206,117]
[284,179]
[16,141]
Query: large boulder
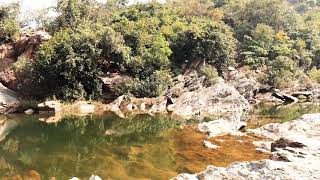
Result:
[28,43]
[8,100]
[114,82]
[221,126]
[243,81]
[220,99]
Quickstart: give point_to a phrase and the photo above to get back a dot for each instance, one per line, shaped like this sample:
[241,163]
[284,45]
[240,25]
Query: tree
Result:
[204,40]
[9,25]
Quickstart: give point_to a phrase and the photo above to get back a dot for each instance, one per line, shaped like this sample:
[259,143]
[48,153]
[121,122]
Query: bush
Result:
[22,64]
[9,26]
[314,75]
[211,74]
[157,84]
[66,65]
[281,72]
[205,40]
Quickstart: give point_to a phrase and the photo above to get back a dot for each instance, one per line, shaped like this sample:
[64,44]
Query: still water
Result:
[141,147]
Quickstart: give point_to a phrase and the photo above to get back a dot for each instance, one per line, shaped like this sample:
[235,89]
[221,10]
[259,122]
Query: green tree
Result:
[204,40]
[9,25]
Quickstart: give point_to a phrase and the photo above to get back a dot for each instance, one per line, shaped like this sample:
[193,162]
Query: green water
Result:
[142,147]
[268,113]
[81,147]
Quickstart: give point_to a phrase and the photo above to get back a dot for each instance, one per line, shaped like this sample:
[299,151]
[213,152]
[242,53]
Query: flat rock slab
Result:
[296,156]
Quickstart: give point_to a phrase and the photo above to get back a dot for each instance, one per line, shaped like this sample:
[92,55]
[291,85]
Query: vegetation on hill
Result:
[154,42]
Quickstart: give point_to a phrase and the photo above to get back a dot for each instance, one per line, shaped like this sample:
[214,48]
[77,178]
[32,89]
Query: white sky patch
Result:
[30,6]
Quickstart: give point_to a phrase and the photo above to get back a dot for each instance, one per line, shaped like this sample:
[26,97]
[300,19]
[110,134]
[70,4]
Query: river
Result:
[140,147]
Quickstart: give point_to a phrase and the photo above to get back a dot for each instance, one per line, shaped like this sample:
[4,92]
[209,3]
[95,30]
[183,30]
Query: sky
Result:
[30,5]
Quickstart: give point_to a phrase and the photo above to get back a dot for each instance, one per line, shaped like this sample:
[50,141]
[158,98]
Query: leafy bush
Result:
[66,65]
[157,84]
[281,72]
[205,40]
[211,74]
[314,75]
[9,26]
[22,64]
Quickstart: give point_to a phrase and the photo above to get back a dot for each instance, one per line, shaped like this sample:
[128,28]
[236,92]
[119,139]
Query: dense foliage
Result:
[153,42]
[9,25]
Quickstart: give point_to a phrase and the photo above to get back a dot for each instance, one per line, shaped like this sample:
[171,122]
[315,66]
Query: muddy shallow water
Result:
[142,147]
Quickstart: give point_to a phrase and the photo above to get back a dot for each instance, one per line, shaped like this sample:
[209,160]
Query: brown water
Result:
[142,147]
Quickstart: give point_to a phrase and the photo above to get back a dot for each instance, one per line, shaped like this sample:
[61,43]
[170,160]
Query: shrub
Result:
[66,65]
[157,84]
[205,40]
[314,75]
[281,72]
[9,26]
[22,64]
[211,74]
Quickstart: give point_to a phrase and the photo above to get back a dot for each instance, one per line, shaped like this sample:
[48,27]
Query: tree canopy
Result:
[153,41]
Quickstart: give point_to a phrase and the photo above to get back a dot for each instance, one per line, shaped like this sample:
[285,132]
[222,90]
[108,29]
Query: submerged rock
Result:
[209,145]
[221,127]
[29,111]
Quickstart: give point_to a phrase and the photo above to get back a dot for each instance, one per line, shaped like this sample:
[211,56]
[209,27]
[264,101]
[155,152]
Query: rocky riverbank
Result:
[294,148]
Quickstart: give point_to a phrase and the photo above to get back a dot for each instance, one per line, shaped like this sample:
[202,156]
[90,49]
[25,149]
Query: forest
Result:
[278,40]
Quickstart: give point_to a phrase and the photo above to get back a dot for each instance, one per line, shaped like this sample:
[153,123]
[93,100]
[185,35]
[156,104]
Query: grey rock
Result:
[220,127]
[29,111]
[8,100]
[49,106]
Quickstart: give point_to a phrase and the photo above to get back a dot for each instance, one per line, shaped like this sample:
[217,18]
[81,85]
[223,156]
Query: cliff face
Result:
[19,54]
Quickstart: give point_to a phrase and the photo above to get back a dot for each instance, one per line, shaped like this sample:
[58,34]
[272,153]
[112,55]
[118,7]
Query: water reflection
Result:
[269,113]
[140,147]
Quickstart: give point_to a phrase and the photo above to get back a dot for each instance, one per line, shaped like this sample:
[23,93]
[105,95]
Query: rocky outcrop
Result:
[304,130]
[8,100]
[295,154]
[246,85]
[265,169]
[28,43]
[220,100]
[114,82]
[21,53]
